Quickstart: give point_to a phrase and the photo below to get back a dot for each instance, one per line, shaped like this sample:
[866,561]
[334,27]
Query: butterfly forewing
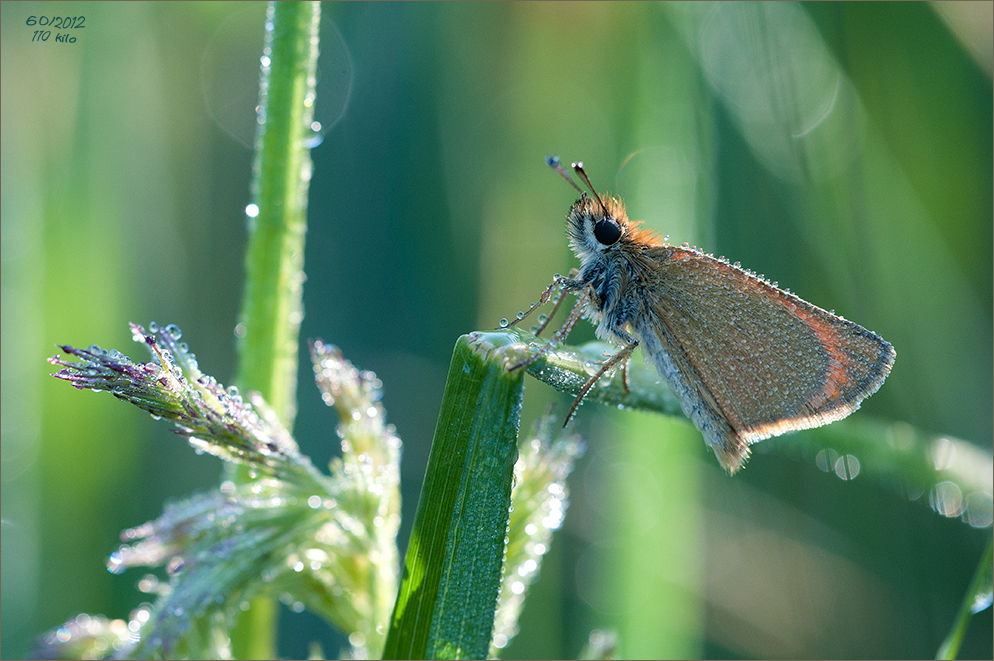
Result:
[769,369]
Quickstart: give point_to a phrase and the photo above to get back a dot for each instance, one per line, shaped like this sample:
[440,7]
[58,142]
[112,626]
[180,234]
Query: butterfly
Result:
[746,359]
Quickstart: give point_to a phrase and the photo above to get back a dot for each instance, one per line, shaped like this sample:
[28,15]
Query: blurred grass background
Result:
[841,149]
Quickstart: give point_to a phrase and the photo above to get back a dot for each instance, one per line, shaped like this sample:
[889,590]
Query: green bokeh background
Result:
[857,171]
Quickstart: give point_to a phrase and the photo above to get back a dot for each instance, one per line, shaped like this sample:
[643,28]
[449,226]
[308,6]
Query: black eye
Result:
[607,231]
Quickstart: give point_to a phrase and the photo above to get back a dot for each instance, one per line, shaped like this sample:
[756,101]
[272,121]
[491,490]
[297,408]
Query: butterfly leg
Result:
[574,316]
[560,283]
[559,301]
[542,300]
[621,357]
[624,376]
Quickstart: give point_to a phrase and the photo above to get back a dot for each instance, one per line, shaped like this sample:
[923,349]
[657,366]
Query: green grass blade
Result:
[271,312]
[978,598]
[271,306]
[452,570]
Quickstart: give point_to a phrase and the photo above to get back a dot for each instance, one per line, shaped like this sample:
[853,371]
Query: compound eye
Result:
[607,231]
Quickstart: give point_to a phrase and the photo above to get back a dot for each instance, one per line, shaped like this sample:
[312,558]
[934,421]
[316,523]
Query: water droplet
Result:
[115,563]
[148,583]
[174,565]
[946,498]
[847,467]
[502,323]
[982,601]
[314,135]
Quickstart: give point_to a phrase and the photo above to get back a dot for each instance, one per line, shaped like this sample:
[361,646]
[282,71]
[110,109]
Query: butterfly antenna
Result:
[553,162]
[578,168]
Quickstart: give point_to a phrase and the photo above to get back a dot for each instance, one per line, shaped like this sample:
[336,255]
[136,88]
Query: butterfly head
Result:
[597,226]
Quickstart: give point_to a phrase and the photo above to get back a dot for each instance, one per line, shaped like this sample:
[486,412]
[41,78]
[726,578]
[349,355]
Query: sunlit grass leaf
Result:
[452,570]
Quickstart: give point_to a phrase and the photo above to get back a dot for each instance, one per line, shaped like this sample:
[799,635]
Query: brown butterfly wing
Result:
[755,360]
